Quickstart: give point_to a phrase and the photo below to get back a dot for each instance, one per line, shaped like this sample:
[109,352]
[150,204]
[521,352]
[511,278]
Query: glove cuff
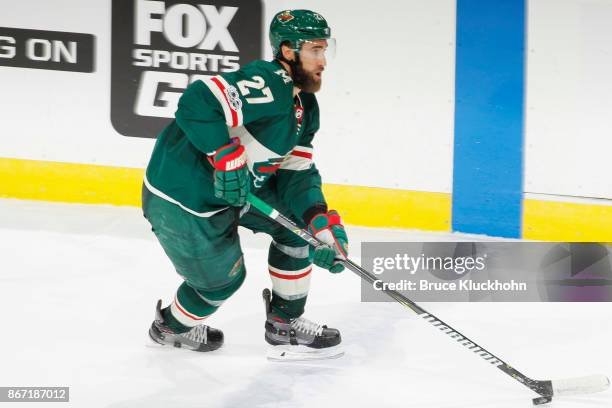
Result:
[334,217]
[316,209]
[230,157]
[325,221]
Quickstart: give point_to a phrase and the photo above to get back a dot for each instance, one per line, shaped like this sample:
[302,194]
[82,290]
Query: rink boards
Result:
[505,138]
[374,207]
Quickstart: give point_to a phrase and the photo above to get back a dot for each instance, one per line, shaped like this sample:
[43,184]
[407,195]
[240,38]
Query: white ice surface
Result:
[78,286]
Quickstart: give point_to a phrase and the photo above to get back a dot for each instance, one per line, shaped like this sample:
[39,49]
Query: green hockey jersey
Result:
[255,104]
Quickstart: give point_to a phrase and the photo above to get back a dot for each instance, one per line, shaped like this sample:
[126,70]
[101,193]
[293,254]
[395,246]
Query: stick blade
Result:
[580,385]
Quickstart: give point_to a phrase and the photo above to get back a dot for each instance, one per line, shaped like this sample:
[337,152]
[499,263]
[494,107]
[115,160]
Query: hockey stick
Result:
[545,388]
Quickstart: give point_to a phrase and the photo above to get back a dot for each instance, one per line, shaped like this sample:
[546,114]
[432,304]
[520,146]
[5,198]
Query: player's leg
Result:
[289,265]
[290,270]
[206,253]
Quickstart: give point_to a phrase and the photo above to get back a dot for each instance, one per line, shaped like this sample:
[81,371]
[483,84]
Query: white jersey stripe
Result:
[303,149]
[294,252]
[255,150]
[221,99]
[296,163]
[300,158]
[211,302]
[183,316]
[286,272]
[291,288]
[173,201]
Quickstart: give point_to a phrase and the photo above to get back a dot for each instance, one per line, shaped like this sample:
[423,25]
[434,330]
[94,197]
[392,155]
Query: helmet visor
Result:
[318,50]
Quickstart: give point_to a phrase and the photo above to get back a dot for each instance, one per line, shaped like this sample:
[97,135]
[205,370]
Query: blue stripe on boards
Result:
[489,99]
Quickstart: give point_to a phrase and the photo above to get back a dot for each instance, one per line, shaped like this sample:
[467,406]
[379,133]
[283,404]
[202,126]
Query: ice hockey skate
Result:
[199,338]
[299,339]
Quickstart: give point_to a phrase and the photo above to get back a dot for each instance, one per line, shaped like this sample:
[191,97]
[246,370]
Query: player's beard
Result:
[305,80]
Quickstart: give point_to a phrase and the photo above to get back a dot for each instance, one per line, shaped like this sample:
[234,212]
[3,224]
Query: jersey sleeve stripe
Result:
[218,93]
[219,88]
[296,163]
[299,159]
[232,118]
[301,154]
[304,149]
[236,110]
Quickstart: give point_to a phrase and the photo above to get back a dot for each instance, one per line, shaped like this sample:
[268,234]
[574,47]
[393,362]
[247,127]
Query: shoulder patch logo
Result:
[285,17]
[233,97]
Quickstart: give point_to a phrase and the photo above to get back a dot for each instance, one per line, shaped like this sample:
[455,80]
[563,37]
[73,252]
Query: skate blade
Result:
[303,353]
[154,344]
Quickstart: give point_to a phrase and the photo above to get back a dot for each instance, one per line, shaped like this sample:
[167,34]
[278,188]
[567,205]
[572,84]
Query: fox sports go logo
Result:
[186,26]
[173,43]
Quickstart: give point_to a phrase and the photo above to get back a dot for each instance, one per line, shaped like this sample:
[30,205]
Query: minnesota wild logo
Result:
[285,16]
[263,170]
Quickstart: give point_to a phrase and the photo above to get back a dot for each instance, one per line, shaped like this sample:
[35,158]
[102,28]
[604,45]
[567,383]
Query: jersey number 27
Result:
[257,83]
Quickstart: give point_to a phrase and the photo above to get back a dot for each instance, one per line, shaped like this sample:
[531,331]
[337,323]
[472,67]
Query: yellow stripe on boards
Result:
[93,184]
[367,206]
[69,182]
[381,207]
[566,222]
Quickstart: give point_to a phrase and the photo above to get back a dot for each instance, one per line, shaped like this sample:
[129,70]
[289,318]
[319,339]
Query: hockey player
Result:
[249,130]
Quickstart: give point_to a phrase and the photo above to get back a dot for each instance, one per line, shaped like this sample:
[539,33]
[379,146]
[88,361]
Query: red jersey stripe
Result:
[186,313]
[301,154]
[289,277]
[222,88]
